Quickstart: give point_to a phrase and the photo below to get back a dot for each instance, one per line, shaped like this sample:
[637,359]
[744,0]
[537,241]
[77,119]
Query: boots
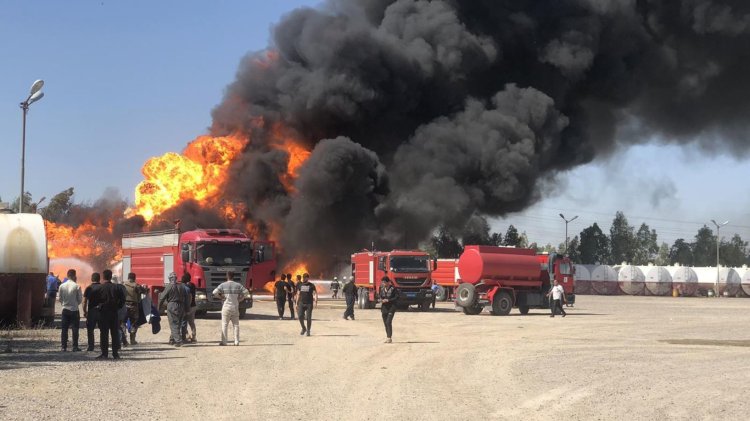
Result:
[132,338]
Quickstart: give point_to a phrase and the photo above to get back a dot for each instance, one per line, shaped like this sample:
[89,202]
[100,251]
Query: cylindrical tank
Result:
[729,280]
[23,267]
[500,263]
[631,280]
[744,273]
[658,280]
[684,279]
[604,280]
[583,279]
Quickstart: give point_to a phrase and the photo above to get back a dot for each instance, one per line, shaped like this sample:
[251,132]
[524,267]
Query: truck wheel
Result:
[425,305]
[441,294]
[473,310]
[243,312]
[502,303]
[366,304]
[466,295]
[361,299]
[523,309]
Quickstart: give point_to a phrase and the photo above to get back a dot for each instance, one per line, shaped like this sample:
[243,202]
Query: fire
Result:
[87,241]
[199,173]
[295,268]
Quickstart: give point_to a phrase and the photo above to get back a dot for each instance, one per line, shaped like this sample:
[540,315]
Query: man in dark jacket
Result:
[388,299]
[111,298]
[350,294]
[291,291]
[280,289]
[189,319]
[91,306]
[133,293]
[177,300]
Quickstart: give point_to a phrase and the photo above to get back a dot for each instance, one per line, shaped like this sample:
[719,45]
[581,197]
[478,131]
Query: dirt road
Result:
[611,358]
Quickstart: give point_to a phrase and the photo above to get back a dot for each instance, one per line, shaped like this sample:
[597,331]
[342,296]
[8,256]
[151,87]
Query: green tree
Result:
[476,231]
[27,202]
[733,252]
[594,246]
[496,239]
[573,246]
[681,252]
[662,257]
[512,238]
[446,245]
[59,206]
[524,241]
[622,240]
[646,248]
[704,248]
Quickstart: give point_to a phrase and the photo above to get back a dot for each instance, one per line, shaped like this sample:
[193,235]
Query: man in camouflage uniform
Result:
[133,293]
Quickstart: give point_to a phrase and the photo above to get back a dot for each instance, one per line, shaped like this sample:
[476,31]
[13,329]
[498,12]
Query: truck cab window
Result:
[564,268]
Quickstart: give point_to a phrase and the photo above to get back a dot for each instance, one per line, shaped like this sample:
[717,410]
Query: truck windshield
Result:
[224,254]
[564,269]
[410,264]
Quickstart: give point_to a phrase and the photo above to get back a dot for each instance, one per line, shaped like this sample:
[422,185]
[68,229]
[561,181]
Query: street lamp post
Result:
[718,240]
[566,229]
[35,94]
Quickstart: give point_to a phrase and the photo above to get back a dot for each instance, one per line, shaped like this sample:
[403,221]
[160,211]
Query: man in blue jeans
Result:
[70,297]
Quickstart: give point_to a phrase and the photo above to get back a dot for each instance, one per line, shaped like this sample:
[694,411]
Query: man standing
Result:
[190,313]
[335,287]
[112,298]
[232,293]
[291,291]
[70,298]
[435,289]
[350,294]
[177,300]
[133,293]
[280,289]
[91,308]
[306,295]
[558,295]
[53,284]
[388,298]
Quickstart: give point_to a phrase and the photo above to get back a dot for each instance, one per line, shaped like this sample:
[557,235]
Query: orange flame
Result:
[86,241]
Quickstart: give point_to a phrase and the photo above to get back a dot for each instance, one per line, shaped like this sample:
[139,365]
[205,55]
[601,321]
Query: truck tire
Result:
[441,294]
[425,305]
[473,310]
[502,303]
[466,295]
[523,309]
[361,299]
[243,312]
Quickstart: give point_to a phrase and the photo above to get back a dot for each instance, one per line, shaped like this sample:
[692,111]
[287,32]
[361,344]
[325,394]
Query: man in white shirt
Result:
[558,295]
[70,297]
[232,293]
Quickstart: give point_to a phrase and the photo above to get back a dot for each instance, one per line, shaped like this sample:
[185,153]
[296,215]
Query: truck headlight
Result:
[200,296]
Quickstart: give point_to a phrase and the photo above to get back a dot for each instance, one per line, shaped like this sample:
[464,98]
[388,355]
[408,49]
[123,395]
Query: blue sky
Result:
[128,80]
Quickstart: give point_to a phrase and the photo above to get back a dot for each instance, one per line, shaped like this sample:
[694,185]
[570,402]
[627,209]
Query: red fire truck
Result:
[409,270]
[206,254]
[446,276]
[507,277]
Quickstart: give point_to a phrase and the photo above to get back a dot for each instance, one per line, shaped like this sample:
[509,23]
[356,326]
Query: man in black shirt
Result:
[280,292]
[91,308]
[290,293]
[306,296]
[112,298]
[388,300]
[350,293]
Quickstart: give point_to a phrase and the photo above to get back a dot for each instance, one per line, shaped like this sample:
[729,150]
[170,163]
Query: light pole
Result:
[718,240]
[35,94]
[566,229]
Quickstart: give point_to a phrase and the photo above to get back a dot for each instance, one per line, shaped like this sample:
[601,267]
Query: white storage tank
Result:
[658,280]
[744,273]
[684,279]
[631,280]
[604,280]
[583,279]
[729,280]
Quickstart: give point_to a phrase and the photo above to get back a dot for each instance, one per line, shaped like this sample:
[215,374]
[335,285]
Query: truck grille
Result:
[410,282]
[214,279]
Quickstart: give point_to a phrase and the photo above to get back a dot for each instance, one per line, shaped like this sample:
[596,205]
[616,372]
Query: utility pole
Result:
[566,230]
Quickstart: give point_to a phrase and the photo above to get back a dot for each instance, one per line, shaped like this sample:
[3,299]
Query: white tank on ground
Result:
[658,280]
[632,280]
[604,280]
[729,280]
[684,279]
[744,273]
[583,279]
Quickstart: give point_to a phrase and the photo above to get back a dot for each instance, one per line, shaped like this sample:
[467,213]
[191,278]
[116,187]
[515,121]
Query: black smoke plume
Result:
[467,105]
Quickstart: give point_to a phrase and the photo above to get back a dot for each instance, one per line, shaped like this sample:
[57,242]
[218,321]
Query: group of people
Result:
[301,294]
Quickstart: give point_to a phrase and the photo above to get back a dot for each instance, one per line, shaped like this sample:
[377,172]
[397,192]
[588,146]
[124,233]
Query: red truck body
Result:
[409,270]
[206,254]
[446,276]
[506,277]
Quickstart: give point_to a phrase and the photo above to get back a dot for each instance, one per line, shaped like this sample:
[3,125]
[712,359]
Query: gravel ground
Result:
[611,358]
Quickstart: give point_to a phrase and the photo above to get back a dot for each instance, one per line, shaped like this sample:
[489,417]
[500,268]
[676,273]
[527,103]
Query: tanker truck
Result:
[447,278]
[409,270]
[206,254]
[507,277]
[23,270]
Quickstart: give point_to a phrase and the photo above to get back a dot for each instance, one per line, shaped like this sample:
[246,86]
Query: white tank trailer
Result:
[23,268]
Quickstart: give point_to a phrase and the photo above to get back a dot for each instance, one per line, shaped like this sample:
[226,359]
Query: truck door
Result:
[264,262]
[168,266]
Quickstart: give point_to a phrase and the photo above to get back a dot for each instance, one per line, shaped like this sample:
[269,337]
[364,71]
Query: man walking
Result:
[53,284]
[177,300]
[111,298]
[306,295]
[291,292]
[280,289]
[190,313]
[70,298]
[335,287]
[133,293]
[350,294]
[232,293]
[91,308]
[388,299]
[558,295]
